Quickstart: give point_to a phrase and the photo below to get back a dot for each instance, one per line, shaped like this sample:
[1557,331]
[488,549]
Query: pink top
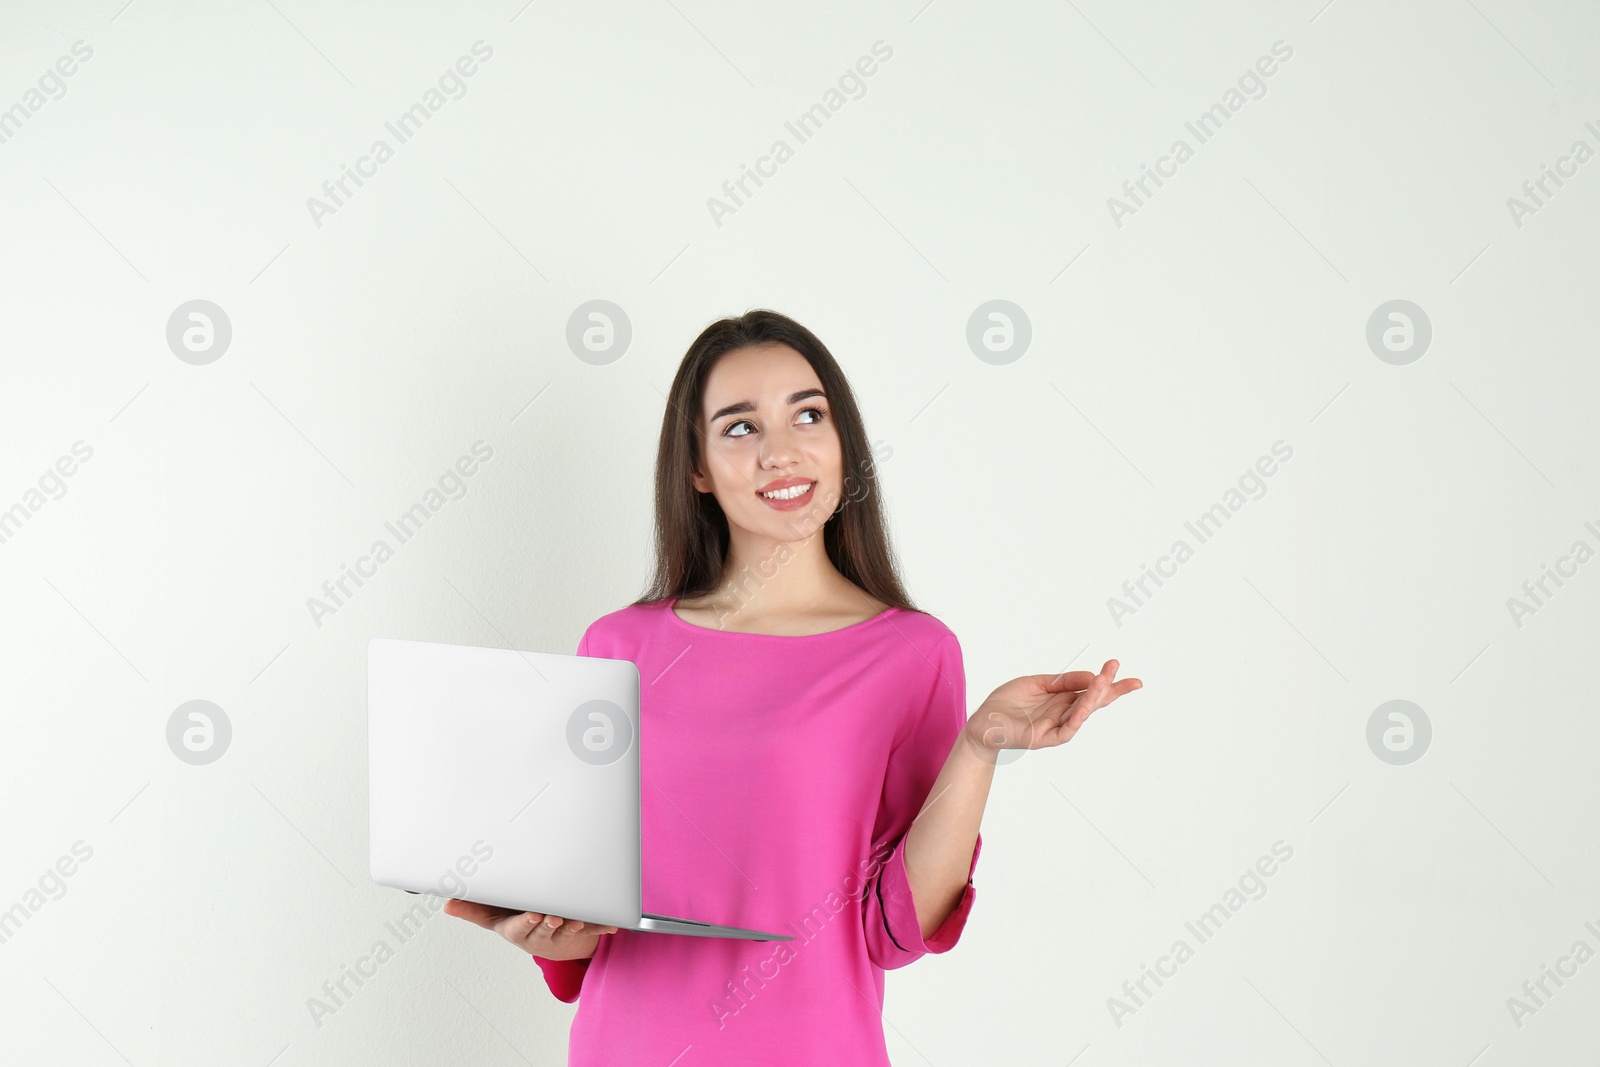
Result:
[780,777]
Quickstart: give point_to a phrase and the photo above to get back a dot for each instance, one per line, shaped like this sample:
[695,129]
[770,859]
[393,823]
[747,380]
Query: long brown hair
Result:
[691,539]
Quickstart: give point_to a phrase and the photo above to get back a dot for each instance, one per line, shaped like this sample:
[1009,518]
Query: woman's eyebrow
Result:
[744,405]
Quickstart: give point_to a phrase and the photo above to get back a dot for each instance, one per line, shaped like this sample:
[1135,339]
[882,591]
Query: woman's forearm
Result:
[942,837]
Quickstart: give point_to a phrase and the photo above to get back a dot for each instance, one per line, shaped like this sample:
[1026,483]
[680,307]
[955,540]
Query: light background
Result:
[1168,354]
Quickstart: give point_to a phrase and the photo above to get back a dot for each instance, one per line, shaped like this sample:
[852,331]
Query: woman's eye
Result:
[728,431]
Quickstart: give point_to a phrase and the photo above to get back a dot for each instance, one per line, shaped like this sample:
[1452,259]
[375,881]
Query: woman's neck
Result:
[781,585]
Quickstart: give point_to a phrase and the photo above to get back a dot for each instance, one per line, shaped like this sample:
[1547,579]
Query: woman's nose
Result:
[778,448]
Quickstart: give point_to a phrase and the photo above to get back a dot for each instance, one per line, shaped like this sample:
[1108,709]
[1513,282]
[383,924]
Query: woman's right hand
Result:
[549,937]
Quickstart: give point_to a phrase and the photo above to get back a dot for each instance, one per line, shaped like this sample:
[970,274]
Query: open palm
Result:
[1044,710]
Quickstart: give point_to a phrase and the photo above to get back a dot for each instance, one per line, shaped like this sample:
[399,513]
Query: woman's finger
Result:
[533,930]
[1067,681]
[540,934]
[485,915]
[520,927]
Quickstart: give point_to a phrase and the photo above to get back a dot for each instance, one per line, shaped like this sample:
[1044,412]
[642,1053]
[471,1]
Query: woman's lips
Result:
[792,504]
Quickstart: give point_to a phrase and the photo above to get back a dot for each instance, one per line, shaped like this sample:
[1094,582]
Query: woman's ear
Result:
[700,481]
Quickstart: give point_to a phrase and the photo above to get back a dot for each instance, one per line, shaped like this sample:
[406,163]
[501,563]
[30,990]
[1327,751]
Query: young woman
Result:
[811,769]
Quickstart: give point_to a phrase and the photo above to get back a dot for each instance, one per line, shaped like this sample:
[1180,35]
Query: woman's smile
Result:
[787,494]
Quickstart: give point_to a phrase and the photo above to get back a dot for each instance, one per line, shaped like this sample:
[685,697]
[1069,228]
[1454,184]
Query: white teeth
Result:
[789,493]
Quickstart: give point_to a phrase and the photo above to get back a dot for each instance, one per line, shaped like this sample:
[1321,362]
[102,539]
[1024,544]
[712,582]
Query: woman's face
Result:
[767,426]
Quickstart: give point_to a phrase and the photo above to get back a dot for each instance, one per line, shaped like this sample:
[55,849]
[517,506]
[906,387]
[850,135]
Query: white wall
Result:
[1171,348]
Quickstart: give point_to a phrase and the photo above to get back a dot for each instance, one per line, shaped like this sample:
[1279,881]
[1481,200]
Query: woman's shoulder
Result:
[916,641]
[924,625]
[626,621]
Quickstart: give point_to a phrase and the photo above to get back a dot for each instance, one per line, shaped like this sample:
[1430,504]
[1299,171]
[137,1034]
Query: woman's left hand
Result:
[1042,710]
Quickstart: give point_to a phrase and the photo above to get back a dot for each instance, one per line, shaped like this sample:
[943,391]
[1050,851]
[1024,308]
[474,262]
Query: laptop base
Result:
[660,924]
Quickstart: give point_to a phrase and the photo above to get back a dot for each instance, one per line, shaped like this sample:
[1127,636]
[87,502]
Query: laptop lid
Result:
[504,777]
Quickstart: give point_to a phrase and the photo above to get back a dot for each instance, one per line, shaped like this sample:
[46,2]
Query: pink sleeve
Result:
[894,937]
[565,977]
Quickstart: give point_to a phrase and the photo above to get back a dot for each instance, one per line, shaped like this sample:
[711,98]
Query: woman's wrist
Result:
[983,740]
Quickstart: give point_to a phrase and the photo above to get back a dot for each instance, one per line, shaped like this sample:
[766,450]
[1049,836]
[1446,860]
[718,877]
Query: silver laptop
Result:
[512,779]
